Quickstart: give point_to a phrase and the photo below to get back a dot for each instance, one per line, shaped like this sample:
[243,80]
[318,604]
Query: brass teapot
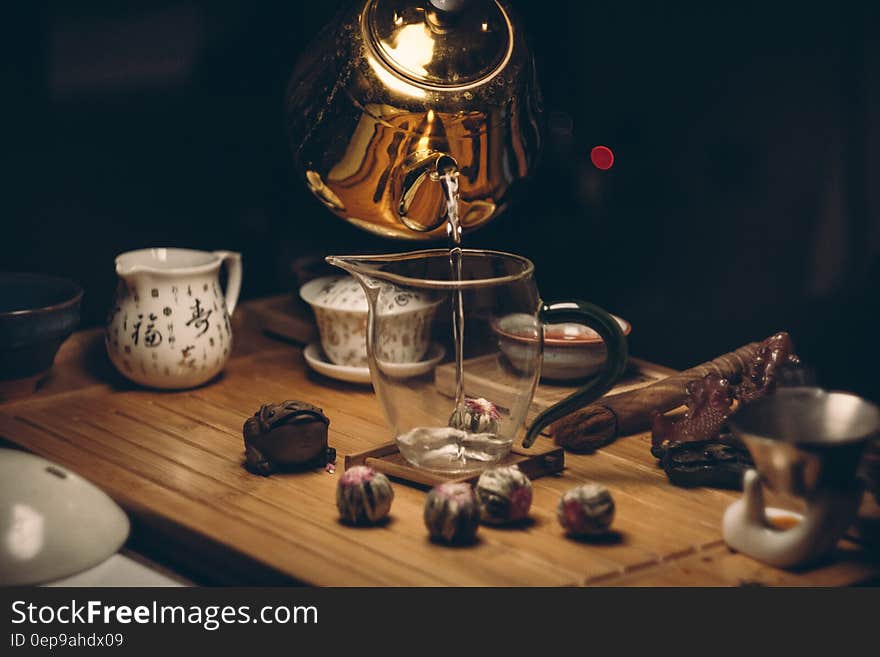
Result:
[395,93]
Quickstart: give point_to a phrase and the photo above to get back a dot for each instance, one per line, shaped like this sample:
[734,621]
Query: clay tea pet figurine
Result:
[286,435]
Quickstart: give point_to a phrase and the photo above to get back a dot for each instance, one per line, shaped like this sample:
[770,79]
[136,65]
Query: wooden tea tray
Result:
[536,461]
[285,317]
[174,462]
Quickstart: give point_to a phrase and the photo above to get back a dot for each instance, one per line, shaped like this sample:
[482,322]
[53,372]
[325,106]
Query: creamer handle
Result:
[232,260]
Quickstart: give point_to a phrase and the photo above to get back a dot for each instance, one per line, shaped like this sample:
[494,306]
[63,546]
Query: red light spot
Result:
[602,157]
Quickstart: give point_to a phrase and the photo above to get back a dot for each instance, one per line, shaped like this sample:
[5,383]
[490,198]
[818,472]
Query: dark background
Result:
[742,200]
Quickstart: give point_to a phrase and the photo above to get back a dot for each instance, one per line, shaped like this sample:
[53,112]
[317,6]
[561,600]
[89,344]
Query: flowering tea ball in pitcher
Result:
[478,415]
[504,495]
[451,513]
[363,496]
[586,510]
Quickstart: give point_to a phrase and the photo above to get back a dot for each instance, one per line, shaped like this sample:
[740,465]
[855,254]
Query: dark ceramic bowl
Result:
[37,313]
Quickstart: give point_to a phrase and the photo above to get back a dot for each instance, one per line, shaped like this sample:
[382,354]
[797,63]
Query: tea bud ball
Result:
[451,513]
[477,415]
[504,495]
[363,496]
[586,510]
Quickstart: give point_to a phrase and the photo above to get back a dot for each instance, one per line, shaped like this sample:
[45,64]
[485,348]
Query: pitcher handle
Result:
[232,261]
[582,312]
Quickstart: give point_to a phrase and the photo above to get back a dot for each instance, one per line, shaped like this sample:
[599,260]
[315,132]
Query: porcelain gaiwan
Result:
[341,309]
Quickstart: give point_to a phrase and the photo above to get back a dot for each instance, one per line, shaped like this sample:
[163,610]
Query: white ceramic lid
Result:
[53,522]
[346,294]
[335,293]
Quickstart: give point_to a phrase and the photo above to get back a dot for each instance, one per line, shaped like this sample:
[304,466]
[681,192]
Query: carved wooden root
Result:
[630,412]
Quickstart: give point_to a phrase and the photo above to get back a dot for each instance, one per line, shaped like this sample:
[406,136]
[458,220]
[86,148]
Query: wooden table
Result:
[173,460]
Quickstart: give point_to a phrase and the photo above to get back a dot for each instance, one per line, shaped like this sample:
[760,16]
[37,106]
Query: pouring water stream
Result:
[452,447]
[448,174]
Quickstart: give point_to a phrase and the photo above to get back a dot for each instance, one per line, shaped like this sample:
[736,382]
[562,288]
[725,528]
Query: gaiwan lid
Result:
[344,293]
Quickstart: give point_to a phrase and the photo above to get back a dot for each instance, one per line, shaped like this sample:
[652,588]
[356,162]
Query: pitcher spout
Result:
[357,266]
[347,263]
[128,271]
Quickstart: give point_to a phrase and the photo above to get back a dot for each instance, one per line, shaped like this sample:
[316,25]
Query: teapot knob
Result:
[449,6]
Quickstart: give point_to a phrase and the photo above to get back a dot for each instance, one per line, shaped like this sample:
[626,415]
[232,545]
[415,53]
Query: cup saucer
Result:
[318,361]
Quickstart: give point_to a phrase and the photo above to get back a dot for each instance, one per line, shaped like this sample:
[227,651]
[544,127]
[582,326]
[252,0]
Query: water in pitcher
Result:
[468,442]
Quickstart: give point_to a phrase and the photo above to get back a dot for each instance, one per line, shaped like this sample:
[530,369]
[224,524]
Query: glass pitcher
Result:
[453,423]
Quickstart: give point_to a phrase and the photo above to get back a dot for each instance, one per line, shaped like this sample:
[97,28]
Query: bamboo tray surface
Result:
[173,460]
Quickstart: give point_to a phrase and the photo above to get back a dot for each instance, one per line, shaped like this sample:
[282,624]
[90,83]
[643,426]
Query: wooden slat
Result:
[720,566]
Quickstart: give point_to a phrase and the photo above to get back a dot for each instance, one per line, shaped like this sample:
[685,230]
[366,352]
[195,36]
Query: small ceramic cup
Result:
[341,310]
[571,351]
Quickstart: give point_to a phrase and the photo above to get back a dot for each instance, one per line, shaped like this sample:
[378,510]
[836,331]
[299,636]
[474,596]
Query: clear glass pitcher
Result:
[454,424]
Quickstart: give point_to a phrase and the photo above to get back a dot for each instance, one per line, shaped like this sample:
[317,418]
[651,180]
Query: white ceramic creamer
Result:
[169,326]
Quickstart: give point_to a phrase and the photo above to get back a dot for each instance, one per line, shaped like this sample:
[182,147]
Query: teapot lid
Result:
[440,43]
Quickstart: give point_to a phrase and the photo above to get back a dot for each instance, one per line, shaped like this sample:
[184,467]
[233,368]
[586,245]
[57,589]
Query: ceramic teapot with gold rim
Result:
[393,91]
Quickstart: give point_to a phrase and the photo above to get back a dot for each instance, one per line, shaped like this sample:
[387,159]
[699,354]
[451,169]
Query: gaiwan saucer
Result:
[318,361]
